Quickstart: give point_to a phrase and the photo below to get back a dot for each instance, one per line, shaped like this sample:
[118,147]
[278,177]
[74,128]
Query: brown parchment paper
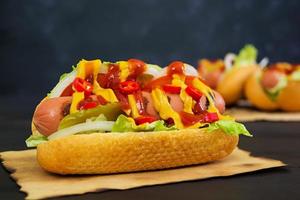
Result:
[248,115]
[39,184]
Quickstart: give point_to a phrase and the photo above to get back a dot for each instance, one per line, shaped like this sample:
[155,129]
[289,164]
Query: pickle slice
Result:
[111,111]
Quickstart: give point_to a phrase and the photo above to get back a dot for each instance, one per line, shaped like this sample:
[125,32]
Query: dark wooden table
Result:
[271,139]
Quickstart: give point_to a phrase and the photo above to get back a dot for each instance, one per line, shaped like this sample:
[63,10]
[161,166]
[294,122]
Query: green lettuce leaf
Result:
[63,76]
[125,124]
[247,56]
[229,127]
[34,140]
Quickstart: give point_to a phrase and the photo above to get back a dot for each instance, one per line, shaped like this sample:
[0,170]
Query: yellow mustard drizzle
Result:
[107,94]
[132,103]
[208,92]
[76,98]
[124,68]
[188,102]
[84,68]
[161,104]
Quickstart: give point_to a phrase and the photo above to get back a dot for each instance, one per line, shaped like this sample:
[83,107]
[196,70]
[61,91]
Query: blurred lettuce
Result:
[247,56]
[230,127]
[296,75]
[34,140]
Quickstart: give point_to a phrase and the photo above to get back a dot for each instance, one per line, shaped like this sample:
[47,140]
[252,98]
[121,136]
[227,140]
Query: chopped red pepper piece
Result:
[144,119]
[189,119]
[211,117]
[87,104]
[171,89]
[101,100]
[78,84]
[194,93]
[129,87]
[81,85]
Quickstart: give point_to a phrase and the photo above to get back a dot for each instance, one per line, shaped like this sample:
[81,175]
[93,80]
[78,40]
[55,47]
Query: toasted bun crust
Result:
[289,97]
[232,84]
[103,153]
[256,95]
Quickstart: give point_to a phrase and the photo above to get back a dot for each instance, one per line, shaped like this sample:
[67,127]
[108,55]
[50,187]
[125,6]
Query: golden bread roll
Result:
[232,84]
[289,97]
[102,153]
[256,95]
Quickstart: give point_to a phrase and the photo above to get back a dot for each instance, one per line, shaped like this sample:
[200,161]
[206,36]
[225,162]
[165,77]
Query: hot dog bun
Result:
[103,153]
[256,95]
[232,84]
[289,97]
[178,122]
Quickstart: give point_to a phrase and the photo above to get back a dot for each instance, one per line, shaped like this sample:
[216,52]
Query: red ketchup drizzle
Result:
[136,68]
[112,80]
[68,91]
[175,67]
[191,119]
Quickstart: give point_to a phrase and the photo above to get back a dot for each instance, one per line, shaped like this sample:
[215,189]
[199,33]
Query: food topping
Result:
[136,68]
[81,85]
[175,67]
[191,119]
[178,99]
[144,119]
[129,87]
[168,88]
[77,97]
[194,93]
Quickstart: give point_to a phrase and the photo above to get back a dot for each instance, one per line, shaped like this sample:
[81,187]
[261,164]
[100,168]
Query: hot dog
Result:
[228,76]
[49,113]
[131,116]
[275,87]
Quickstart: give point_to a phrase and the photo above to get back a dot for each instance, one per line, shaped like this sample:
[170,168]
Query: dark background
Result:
[41,39]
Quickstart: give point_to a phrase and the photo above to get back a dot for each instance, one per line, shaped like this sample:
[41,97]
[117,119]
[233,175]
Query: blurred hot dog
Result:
[275,87]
